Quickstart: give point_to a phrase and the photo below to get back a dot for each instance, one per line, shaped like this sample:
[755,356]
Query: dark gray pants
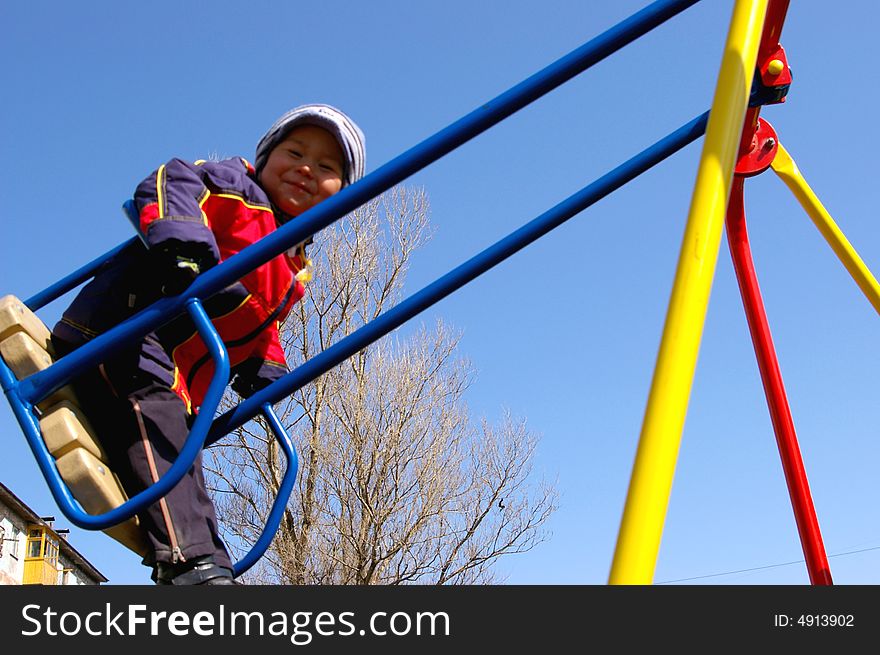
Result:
[143,425]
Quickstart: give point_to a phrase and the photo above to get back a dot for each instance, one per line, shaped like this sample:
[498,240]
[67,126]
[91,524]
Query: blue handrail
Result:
[73,280]
[284,490]
[191,448]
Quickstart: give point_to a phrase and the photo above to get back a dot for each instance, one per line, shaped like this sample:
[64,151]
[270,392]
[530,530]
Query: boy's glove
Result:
[176,265]
[254,374]
[179,276]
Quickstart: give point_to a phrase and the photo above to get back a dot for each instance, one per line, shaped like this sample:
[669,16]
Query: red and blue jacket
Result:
[209,211]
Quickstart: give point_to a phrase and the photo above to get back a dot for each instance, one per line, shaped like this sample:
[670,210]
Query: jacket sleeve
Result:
[265,365]
[169,204]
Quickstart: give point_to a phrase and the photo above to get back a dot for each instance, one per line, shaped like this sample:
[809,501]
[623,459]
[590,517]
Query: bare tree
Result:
[397,483]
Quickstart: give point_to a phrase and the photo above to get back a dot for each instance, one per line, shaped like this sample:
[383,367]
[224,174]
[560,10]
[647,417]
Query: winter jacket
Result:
[207,212]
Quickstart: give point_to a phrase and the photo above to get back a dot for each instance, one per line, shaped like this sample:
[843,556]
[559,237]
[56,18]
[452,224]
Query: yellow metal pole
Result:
[642,525]
[788,171]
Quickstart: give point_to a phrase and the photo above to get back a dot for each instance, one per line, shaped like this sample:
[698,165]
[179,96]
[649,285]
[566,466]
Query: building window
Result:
[2,539]
[35,543]
[50,551]
[16,534]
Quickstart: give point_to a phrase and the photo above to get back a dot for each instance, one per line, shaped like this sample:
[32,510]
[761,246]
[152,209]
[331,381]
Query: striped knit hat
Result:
[347,133]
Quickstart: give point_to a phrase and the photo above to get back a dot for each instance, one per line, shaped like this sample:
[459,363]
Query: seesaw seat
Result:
[26,347]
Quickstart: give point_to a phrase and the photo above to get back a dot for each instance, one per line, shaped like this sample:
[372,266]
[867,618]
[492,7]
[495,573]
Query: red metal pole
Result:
[757,149]
[780,413]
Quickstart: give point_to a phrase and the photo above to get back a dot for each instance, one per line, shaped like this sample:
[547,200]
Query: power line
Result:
[768,566]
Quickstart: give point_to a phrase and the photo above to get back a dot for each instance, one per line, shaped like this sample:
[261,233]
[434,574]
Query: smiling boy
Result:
[192,217]
[304,169]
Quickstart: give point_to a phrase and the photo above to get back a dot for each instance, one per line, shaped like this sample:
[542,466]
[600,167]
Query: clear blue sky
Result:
[97,94]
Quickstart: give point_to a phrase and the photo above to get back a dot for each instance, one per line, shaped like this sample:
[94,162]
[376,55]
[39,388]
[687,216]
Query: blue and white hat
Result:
[346,131]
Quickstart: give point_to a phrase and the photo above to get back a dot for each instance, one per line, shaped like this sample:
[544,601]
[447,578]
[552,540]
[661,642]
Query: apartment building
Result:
[33,551]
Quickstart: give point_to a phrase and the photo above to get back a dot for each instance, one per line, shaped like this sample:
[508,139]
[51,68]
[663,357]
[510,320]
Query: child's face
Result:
[303,170]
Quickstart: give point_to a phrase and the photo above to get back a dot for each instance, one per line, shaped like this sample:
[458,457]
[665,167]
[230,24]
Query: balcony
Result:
[41,558]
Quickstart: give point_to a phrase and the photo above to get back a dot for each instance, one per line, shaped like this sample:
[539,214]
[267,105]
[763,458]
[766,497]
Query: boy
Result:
[192,217]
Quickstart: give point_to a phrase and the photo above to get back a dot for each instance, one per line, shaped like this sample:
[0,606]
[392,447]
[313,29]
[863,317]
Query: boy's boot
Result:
[199,570]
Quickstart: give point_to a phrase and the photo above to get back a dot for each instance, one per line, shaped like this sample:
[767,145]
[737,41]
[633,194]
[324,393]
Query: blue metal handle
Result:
[73,280]
[131,213]
[281,498]
[83,273]
[69,506]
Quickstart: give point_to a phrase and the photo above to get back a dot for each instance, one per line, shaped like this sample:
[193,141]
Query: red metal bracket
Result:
[772,78]
[760,153]
[774,69]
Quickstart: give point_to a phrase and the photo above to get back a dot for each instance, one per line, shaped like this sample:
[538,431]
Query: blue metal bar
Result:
[280,503]
[131,213]
[191,448]
[73,280]
[458,277]
[41,384]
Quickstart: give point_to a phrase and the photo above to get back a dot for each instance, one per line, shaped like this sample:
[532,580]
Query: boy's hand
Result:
[178,278]
[174,267]
[254,374]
